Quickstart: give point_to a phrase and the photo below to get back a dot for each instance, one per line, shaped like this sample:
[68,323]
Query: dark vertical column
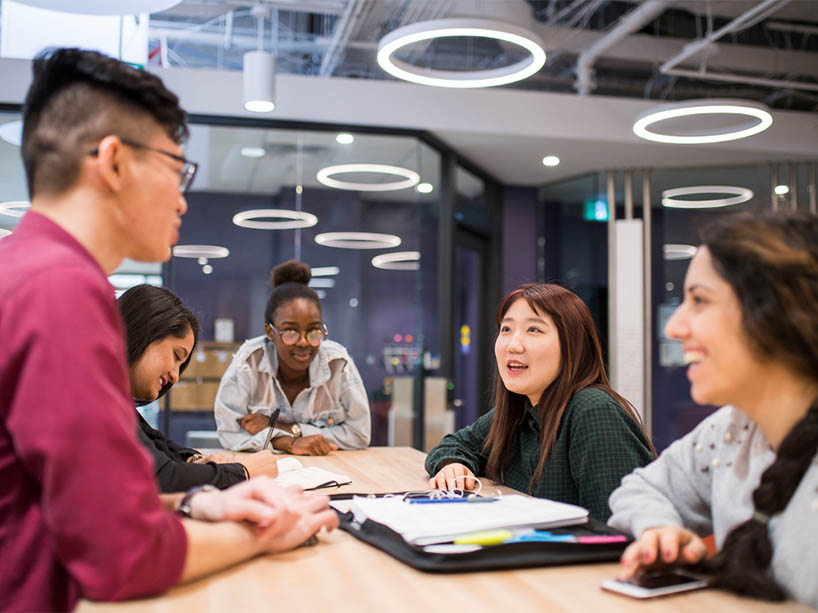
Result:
[168,274]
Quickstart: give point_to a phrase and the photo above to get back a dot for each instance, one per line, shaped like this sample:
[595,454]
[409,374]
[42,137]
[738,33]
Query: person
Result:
[313,381]
[80,514]
[748,474]
[557,430]
[161,333]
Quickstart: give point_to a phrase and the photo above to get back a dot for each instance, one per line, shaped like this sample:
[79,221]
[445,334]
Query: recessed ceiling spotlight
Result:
[781,190]
[12,132]
[410,177]
[357,240]
[344,138]
[326,283]
[675,251]
[425,188]
[739,194]
[253,152]
[398,260]
[325,271]
[207,269]
[550,160]
[461,27]
[15,208]
[296,219]
[760,120]
[200,251]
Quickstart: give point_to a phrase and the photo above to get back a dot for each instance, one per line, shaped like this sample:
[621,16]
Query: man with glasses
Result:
[80,515]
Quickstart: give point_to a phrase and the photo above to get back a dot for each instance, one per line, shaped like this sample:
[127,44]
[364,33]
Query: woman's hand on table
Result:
[661,547]
[260,463]
[314,444]
[215,458]
[254,422]
[451,476]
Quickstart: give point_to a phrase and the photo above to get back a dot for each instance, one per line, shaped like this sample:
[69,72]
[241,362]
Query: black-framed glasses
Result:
[186,173]
[290,336]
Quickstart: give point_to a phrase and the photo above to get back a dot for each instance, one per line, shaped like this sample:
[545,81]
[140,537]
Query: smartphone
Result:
[662,583]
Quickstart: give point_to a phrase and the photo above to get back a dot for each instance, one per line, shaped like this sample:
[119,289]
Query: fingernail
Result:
[668,555]
[646,556]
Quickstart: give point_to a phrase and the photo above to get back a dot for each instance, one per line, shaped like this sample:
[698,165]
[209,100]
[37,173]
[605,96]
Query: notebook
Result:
[291,472]
[427,524]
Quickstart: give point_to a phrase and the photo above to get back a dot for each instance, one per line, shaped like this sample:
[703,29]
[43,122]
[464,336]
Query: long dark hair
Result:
[582,366]
[771,263]
[151,314]
[290,280]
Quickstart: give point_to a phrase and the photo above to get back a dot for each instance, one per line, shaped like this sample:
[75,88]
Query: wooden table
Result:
[342,574]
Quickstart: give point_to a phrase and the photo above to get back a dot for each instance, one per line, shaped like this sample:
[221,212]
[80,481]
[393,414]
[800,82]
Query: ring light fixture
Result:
[410,177]
[676,251]
[253,152]
[325,271]
[398,260]
[704,107]
[201,251]
[739,194]
[4,232]
[296,219]
[458,27]
[12,132]
[15,208]
[357,240]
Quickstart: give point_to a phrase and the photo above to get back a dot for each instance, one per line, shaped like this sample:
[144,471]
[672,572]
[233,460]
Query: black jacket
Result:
[174,474]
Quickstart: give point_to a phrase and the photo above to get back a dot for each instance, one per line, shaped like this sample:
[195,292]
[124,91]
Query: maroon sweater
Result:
[80,515]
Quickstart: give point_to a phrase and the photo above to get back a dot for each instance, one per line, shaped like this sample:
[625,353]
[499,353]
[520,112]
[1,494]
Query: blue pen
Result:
[448,500]
[542,537]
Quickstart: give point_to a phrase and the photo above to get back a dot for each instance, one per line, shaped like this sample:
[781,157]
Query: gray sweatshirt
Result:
[705,481]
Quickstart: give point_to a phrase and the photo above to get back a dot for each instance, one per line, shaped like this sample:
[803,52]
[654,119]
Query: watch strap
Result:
[184,508]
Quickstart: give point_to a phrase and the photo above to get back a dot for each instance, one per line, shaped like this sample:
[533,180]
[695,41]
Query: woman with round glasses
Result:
[312,381]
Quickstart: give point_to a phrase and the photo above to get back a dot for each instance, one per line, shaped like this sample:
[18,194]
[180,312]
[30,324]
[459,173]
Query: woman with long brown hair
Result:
[557,430]
[748,474]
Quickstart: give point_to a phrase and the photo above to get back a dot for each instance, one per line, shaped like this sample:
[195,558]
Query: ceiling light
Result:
[325,271]
[739,195]
[398,260]
[322,283]
[104,7]
[4,232]
[781,190]
[321,294]
[259,81]
[357,240]
[202,261]
[15,208]
[297,219]
[344,138]
[674,251]
[709,107]
[200,251]
[253,152]
[425,188]
[411,178]
[550,160]
[12,132]
[207,269]
[458,27]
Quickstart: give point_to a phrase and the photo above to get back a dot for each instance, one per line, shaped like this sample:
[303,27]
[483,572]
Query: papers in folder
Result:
[291,472]
[426,524]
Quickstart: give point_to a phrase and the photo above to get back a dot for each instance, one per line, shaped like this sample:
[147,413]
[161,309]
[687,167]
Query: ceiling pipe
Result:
[630,23]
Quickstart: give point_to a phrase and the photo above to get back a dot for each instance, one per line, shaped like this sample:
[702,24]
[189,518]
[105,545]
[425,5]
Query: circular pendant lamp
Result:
[409,178]
[16,208]
[357,240]
[755,118]
[670,197]
[211,252]
[294,219]
[398,260]
[460,27]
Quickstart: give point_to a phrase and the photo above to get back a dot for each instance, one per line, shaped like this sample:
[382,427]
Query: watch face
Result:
[296,430]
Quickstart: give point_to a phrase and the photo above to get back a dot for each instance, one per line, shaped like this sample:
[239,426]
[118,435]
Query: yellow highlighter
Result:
[492,537]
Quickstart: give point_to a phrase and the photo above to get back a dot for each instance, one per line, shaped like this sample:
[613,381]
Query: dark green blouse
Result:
[597,444]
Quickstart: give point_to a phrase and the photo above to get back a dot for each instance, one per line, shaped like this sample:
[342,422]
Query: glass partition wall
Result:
[573,250]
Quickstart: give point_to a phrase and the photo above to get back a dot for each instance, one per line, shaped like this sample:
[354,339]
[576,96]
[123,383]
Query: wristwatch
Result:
[295,430]
[184,508]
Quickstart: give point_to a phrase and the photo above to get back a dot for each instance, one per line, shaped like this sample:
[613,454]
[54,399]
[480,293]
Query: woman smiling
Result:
[558,430]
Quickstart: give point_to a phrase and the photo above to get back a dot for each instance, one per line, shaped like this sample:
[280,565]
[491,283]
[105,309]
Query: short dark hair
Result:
[290,280]
[151,314]
[78,97]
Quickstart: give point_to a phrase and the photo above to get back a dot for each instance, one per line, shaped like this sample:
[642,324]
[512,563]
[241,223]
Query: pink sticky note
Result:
[614,538]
